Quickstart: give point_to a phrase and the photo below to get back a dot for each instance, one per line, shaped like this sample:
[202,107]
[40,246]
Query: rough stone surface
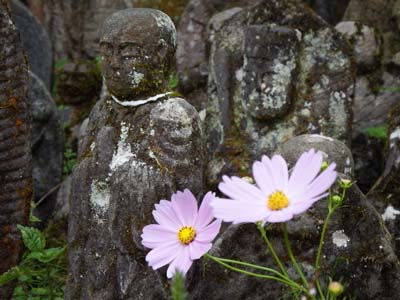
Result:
[372,108]
[130,158]
[47,142]
[366,43]
[192,51]
[331,148]
[357,246]
[276,70]
[73,26]
[386,192]
[368,154]
[15,150]
[330,11]
[35,41]
[78,87]
[381,14]
[62,207]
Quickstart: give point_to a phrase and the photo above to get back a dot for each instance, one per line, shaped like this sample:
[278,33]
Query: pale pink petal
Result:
[281,174]
[263,178]
[163,255]
[198,249]
[306,168]
[165,215]
[237,188]
[238,211]
[155,233]
[208,233]
[269,169]
[182,263]
[322,183]
[279,216]
[304,204]
[185,206]
[205,215]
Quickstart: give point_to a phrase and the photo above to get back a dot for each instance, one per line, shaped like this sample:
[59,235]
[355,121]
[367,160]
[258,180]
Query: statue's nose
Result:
[114,60]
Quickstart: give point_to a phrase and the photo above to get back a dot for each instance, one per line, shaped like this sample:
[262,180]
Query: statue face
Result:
[269,70]
[135,58]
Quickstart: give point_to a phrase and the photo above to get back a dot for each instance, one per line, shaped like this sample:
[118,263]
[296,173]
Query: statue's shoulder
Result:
[175,109]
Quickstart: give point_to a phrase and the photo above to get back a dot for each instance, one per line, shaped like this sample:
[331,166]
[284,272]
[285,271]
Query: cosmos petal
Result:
[238,211]
[321,183]
[280,172]
[263,178]
[165,215]
[279,216]
[181,263]
[208,233]
[238,189]
[160,256]
[185,206]
[205,215]
[198,249]
[305,170]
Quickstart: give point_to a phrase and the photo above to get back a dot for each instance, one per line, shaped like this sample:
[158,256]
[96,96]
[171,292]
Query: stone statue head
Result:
[138,49]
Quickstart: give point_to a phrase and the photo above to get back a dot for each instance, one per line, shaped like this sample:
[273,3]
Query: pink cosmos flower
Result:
[183,232]
[277,197]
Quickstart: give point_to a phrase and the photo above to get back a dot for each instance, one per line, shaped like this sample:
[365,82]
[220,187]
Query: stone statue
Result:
[276,71]
[141,144]
[15,149]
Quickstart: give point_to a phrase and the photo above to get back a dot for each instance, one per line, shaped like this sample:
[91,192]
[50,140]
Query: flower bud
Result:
[248,179]
[345,183]
[336,288]
[324,165]
[336,199]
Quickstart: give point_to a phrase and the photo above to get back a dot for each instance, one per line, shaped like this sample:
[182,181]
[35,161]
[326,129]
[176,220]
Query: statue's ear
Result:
[162,49]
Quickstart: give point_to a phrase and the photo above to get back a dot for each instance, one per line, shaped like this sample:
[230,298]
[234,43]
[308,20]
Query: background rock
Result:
[47,144]
[386,192]
[73,26]
[330,11]
[193,48]
[366,43]
[35,41]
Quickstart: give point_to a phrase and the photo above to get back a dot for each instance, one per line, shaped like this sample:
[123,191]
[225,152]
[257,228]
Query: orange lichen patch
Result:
[19,122]
[13,102]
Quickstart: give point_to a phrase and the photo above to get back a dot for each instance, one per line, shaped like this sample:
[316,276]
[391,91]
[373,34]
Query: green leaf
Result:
[23,278]
[379,132]
[173,81]
[9,276]
[46,255]
[19,293]
[40,291]
[33,238]
[60,63]
[178,291]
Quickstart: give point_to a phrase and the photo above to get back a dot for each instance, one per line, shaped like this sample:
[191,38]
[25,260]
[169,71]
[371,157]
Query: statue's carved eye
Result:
[106,49]
[129,50]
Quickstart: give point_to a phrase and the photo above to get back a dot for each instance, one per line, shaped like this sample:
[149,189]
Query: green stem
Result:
[226,265]
[238,262]
[321,243]
[271,249]
[292,258]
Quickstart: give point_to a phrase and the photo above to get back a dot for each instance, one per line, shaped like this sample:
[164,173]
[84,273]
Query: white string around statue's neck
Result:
[140,102]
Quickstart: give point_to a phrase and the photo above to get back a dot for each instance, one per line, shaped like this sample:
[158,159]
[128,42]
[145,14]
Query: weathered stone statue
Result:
[15,151]
[141,144]
[276,71]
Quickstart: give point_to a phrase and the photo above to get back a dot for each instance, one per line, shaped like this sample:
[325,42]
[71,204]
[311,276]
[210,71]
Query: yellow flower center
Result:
[186,234]
[277,201]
